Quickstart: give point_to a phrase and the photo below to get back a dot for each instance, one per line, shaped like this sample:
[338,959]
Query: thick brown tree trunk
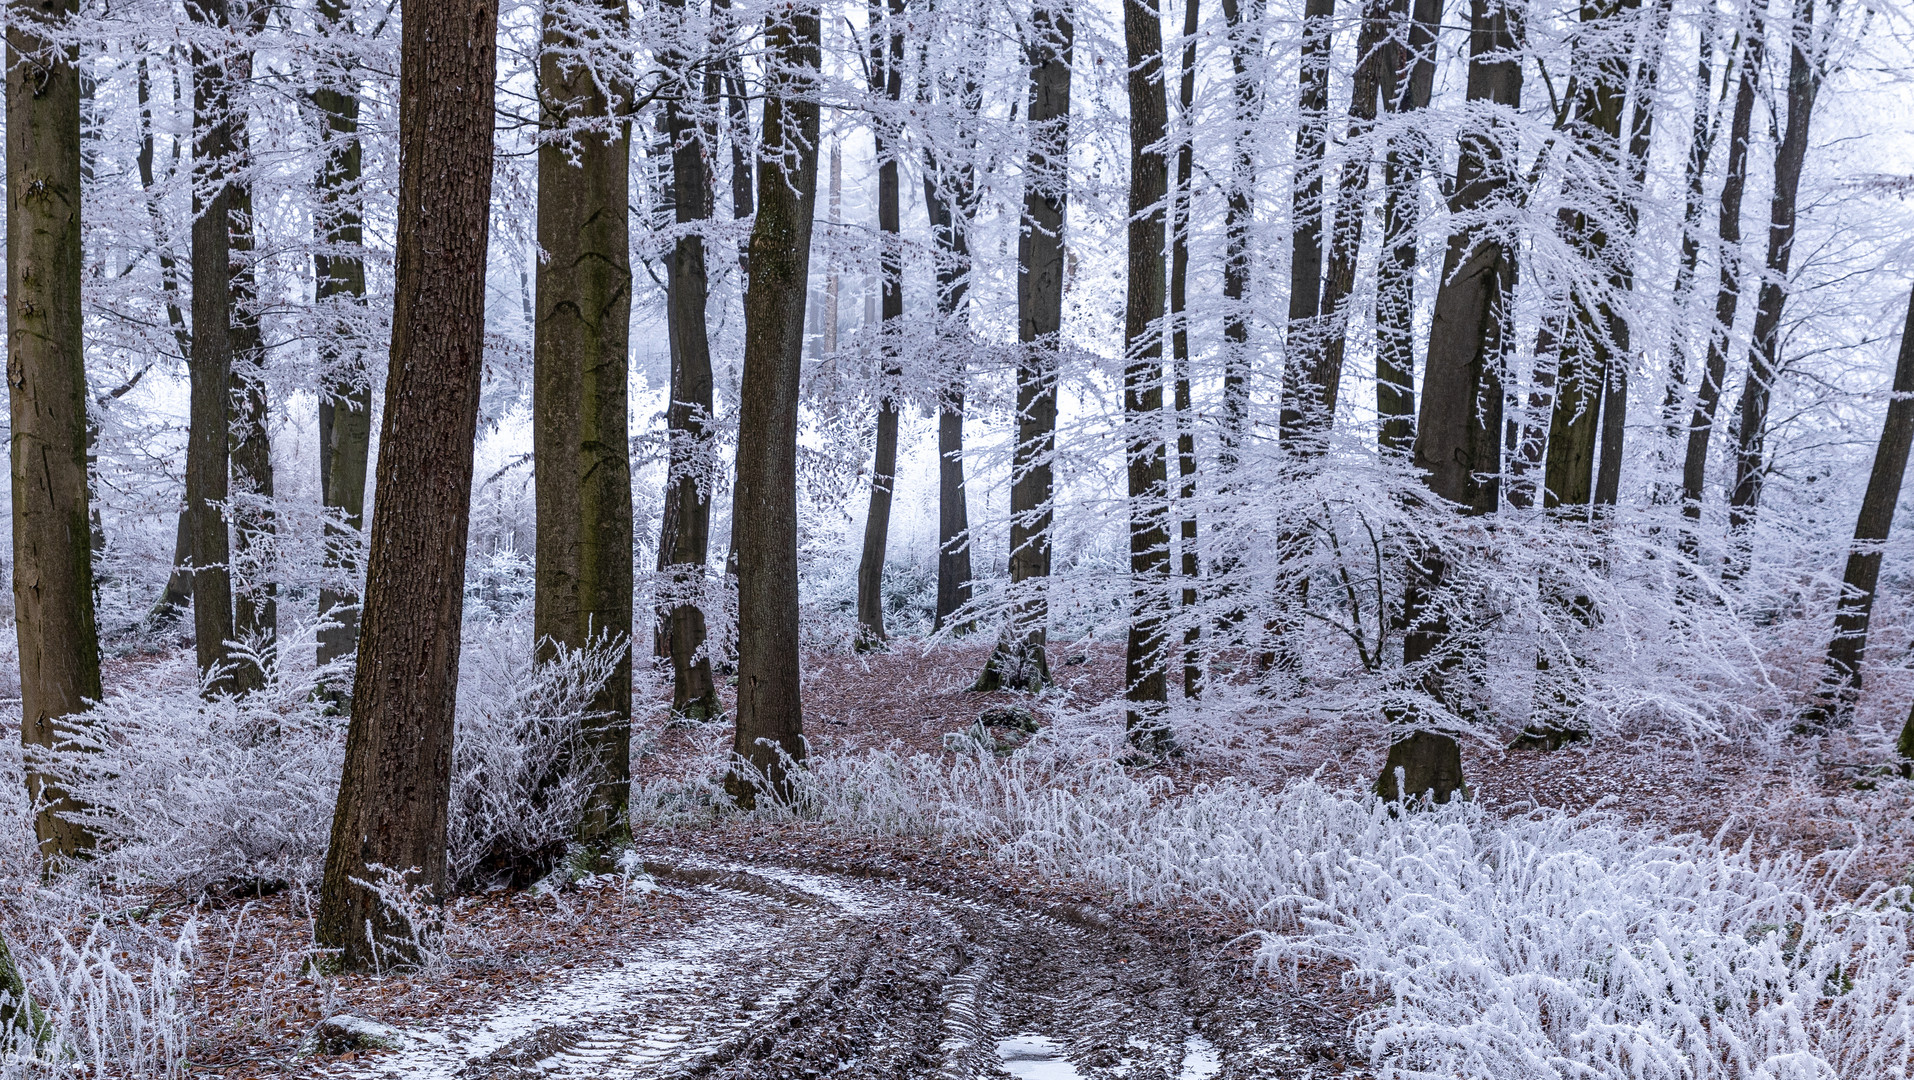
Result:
[210,366]
[345,404]
[1146,688]
[1734,184]
[394,791]
[1458,434]
[1842,683]
[46,384]
[1408,82]
[1019,660]
[581,440]
[887,78]
[685,544]
[1190,568]
[770,712]
[1764,353]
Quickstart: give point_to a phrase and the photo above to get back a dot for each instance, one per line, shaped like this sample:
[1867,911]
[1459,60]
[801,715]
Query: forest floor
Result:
[756,950]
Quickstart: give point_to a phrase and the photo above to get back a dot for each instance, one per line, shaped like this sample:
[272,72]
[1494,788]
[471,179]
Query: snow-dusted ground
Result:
[858,978]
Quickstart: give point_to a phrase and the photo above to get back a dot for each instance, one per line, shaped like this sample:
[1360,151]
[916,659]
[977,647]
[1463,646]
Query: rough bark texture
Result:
[1308,405]
[1407,84]
[1458,434]
[1019,661]
[345,405]
[1190,567]
[764,521]
[398,769]
[581,446]
[1842,683]
[685,546]
[210,366]
[1764,354]
[1734,185]
[46,391]
[1146,687]
[1430,765]
[887,77]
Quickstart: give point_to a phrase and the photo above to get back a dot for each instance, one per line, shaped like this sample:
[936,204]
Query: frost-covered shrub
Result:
[114,1004]
[1545,945]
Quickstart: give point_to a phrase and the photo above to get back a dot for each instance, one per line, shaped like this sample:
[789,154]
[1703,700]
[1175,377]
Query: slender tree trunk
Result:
[1308,406]
[833,281]
[1458,434]
[686,545]
[1145,679]
[887,78]
[1405,91]
[770,712]
[1191,568]
[949,200]
[580,373]
[345,403]
[1019,661]
[46,383]
[738,128]
[395,787]
[210,366]
[1345,235]
[1701,143]
[255,600]
[1728,297]
[1842,683]
[1239,219]
[1764,355]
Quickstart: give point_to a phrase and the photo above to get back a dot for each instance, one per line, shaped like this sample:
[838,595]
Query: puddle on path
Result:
[1035,1057]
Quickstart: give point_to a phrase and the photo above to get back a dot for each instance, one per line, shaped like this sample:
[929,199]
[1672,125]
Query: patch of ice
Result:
[1035,1057]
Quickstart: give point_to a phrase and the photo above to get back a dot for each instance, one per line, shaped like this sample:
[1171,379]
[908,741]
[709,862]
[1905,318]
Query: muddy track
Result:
[797,974]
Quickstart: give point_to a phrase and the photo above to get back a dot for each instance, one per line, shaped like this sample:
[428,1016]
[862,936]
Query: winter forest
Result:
[1055,539]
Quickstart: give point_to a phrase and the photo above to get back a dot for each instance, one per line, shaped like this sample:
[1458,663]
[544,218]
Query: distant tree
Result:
[764,519]
[1184,402]
[1406,86]
[1019,660]
[46,384]
[1146,654]
[396,784]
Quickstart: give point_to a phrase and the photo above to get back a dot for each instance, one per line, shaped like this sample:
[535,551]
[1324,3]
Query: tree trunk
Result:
[1842,683]
[395,787]
[23,1027]
[345,403]
[770,713]
[738,126]
[949,201]
[1764,355]
[255,601]
[1405,90]
[887,78]
[1728,297]
[1191,567]
[210,366]
[46,380]
[1239,220]
[1145,678]
[1308,405]
[581,431]
[685,545]
[1345,234]
[1701,143]
[1019,660]
[1458,434]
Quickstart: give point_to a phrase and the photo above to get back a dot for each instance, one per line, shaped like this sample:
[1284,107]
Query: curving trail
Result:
[795,974]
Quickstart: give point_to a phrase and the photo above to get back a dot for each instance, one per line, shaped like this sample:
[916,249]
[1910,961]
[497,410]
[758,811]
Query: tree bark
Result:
[1458,434]
[1345,234]
[1239,219]
[46,383]
[887,78]
[685,545]
[1841,684]
[1728,296]
[1405,90]
[395,787]
[581,439]
[949,201]
[1705,127]
[1308,405]
[770,723]
[1019,660]
[210,366]
[345,402]
[1191,568]
[1145,678]
[255,600]
[1764,355]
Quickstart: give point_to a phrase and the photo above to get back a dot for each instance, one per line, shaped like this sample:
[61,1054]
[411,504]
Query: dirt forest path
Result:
[794,974]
